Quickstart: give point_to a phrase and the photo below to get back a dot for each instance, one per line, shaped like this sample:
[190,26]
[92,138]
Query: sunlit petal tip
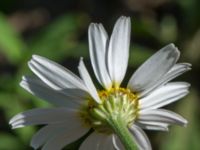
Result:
[173,47]
[23,81]
[21,84]
[175,53]
[124,18]
[185,125]
[17,126]
[39,58]
[15,118]
[92,26]
[18,122]
[80,62]
[34,56]
[10,122]
[166,129]
[184,122]
[188,64]
[29,63]
[188,84]
[23,77]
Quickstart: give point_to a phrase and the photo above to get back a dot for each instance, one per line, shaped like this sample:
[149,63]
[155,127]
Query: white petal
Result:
[52,130]
[163,116]
[98,39]
[118,50]
[174,72]
[149,125]
[97,141]
[165,95]
[44,116]
[141,138]
[117,143]
[60,140]
[69,97]
[154,68]
[88,81]
[53,74]
[44,134]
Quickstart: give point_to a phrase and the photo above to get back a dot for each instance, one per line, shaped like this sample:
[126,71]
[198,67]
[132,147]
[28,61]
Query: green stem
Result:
[122,132]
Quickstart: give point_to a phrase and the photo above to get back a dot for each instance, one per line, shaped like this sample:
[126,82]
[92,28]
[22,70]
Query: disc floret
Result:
[120,104]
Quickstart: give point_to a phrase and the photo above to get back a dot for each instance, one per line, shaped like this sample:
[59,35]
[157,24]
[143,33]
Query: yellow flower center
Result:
[120,102]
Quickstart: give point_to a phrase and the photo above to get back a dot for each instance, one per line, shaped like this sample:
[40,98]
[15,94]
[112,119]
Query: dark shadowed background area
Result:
[58,30]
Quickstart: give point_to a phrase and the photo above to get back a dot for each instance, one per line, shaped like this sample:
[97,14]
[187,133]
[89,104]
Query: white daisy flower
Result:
[116,114]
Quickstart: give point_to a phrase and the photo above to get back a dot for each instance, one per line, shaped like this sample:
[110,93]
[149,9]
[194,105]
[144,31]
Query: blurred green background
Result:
[58,30]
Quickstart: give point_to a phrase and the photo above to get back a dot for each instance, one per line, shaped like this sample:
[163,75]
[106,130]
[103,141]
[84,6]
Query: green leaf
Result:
[10,142]
[7,101]
[25,133]
[10,42]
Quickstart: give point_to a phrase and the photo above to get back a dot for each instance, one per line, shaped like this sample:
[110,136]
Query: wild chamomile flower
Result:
[116,114]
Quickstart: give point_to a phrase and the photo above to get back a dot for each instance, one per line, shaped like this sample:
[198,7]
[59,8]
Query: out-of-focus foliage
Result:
[11,44]
[185,139]
[59,31]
